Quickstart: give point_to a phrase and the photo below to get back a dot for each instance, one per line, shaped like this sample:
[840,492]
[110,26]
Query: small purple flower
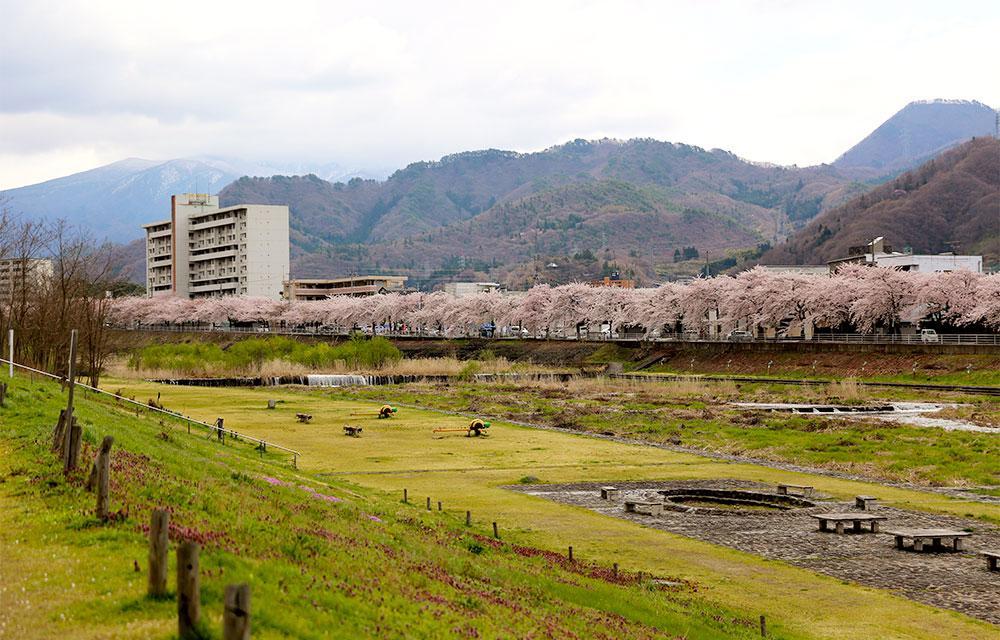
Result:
[373,518]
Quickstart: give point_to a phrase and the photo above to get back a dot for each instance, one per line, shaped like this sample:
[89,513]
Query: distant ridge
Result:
[917,132]
[950,202]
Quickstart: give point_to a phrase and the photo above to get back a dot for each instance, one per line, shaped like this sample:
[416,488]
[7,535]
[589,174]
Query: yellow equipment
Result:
[386,411]
[476,428]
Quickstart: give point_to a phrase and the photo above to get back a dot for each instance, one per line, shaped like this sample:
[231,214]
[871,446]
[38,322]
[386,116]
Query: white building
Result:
[798,269]
[878,253]
[323,288]
[22,274]
[465,289]
[204,250]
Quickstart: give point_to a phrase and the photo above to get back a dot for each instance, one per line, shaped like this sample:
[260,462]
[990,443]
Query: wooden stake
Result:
[159,525]
[439,505]
[428,503]
[496,532]
[71,379]
[188,589]
[236,614]
[74,434]
[104,477]
[57,433]
[405,497]
[571,554]
[92,477]
[3,392]
[763,627]
[468,518]
[614,569]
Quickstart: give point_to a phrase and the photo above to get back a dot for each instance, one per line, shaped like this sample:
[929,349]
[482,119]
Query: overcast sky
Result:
[382,84]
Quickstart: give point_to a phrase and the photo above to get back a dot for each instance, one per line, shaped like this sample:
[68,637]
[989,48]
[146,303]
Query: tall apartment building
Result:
[204,250]
[23,274]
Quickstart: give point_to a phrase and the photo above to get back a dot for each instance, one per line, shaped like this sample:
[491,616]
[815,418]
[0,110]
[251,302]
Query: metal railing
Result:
[222,432]
[970,339]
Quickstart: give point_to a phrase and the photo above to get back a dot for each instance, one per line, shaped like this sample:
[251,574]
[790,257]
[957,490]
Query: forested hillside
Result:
[949,203]
[630,205]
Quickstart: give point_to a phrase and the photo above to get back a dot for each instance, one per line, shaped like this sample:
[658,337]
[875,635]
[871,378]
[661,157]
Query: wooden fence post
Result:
[104,477]
[496,532]
[428,503]
[74,434]
[614,569]
[571,554]
[57,433]
[3,393]
[468,518]
[159,526]
[763,627]
[68,420]
[220,430]
[236,614]
[405,497]
[188,589]
[439,505]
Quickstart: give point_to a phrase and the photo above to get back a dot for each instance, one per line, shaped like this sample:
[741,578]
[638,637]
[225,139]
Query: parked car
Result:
[929,335]
[738,335]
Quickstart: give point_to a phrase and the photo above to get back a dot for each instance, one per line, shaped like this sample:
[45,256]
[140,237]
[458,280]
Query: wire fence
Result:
[971,339]
[222,433]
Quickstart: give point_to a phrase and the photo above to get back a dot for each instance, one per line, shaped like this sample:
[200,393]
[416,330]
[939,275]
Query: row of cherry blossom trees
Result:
[858,298]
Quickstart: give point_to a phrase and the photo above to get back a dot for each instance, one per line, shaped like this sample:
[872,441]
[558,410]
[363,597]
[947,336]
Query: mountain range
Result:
[950,203]
[114,200]
[648,208]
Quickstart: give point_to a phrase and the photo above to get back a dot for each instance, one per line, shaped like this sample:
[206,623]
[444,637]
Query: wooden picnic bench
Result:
[350,430]
[921,537]
[303,417]
[841,519]
[609,493]
[644,508]
[804,490]
[865,503]
[992,557]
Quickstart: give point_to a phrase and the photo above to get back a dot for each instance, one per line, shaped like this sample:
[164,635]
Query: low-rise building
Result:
[465,289]
[798,269]
[205,250]
[878,253]
[23,274]
[322,288]
[614,280]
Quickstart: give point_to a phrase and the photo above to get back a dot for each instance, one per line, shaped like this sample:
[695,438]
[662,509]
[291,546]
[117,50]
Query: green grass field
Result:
[324,557]
[696,415]
[468,474]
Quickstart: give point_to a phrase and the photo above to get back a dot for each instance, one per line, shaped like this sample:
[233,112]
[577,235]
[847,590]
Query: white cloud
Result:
[383,84]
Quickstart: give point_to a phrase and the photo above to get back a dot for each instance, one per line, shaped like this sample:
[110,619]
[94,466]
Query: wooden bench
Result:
[644,508]
[303,417]
[804,490]
[840,519]
[352,431]
[992,557]
[865,503]
[609,493]
[921,537]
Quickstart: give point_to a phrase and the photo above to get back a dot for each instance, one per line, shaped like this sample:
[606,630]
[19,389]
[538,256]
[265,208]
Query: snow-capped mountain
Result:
[114,200]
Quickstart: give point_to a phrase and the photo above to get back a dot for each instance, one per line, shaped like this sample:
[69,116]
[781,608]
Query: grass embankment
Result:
[975,369]
[469,473]
[282,356]
[695,414]
[324,559]
[251,355]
